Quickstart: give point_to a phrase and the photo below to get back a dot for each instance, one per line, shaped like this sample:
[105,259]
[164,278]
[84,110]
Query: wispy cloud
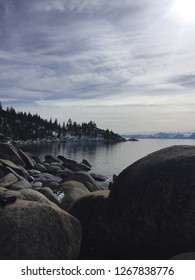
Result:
[185,80]
[97,59]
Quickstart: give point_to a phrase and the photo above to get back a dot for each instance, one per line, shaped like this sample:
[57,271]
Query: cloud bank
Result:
[127,65]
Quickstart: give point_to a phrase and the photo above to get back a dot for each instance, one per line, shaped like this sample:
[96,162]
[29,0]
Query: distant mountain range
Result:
[161,135]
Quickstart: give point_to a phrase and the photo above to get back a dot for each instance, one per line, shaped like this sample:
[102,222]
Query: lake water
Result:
[106,159]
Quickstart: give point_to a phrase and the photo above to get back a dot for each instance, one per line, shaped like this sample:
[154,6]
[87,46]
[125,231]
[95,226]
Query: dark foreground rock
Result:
[89,210]
[151,208]
[9,152]
[184,256]
[31,230]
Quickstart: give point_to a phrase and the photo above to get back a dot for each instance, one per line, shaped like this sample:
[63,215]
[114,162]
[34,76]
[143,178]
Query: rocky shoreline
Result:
[69,138]
[27,184]
[57,209]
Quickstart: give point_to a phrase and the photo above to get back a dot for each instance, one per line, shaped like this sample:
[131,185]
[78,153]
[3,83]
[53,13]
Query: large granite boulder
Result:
[46,176]
[50,183]
[35,158]
[68,163]
[53,169]
[26,194]
[20,185]
[85,161]
[40,167]
[84,178]
[36,231]
[74,165]
[68,195]
[47,192]
[8,180]
[18,169]
[73,184]
[64,173]
[9,152]
[83,166]
[89,210]
[29,161]
[51,159]
[151,208]
[37,185]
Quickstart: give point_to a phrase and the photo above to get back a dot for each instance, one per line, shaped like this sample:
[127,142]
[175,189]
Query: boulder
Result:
[20,185]
[36,185]
[53,169]
[50,183]
[69,163]
[30,163]
[9,152]
[72,184]
[8,180]
[27,194]
[33,172]
[86,162]
[47,192]
[47,176]
[35,158]
[99,177]
[89,210]
[83,166]
[50,159]
[84,178]
[150,212]
[21,180]
[39,179]
[34,195]
[49,234]
[70,195]
[18,169]
[46,164]
[64,173]
[40,167]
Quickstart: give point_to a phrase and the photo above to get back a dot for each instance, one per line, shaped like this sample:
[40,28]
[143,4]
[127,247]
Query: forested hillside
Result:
[26,127]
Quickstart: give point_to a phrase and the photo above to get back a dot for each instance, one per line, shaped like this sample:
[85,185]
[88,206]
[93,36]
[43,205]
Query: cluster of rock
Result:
[56,210]
[35,198]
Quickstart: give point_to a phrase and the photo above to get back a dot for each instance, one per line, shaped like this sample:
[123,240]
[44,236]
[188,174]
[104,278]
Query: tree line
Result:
[25,126]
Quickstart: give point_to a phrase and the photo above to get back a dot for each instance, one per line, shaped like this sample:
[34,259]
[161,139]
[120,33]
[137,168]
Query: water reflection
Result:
[98,154]
[106,159]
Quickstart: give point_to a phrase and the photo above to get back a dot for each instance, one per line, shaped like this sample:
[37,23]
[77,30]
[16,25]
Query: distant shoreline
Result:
[161,135]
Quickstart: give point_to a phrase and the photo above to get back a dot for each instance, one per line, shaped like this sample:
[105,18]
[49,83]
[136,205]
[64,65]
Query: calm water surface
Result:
[106,159]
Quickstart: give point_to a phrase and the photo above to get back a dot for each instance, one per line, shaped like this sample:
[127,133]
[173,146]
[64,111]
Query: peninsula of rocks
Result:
[57,209]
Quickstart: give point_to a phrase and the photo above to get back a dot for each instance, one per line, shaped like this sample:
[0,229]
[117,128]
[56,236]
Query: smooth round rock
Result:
[89,210]
[151,208]
[84,178]
[37,231]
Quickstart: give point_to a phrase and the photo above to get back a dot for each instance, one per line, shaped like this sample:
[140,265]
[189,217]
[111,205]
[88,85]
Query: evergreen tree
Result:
[23,126]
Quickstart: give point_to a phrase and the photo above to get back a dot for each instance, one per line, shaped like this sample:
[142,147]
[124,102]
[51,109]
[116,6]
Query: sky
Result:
[127,65]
